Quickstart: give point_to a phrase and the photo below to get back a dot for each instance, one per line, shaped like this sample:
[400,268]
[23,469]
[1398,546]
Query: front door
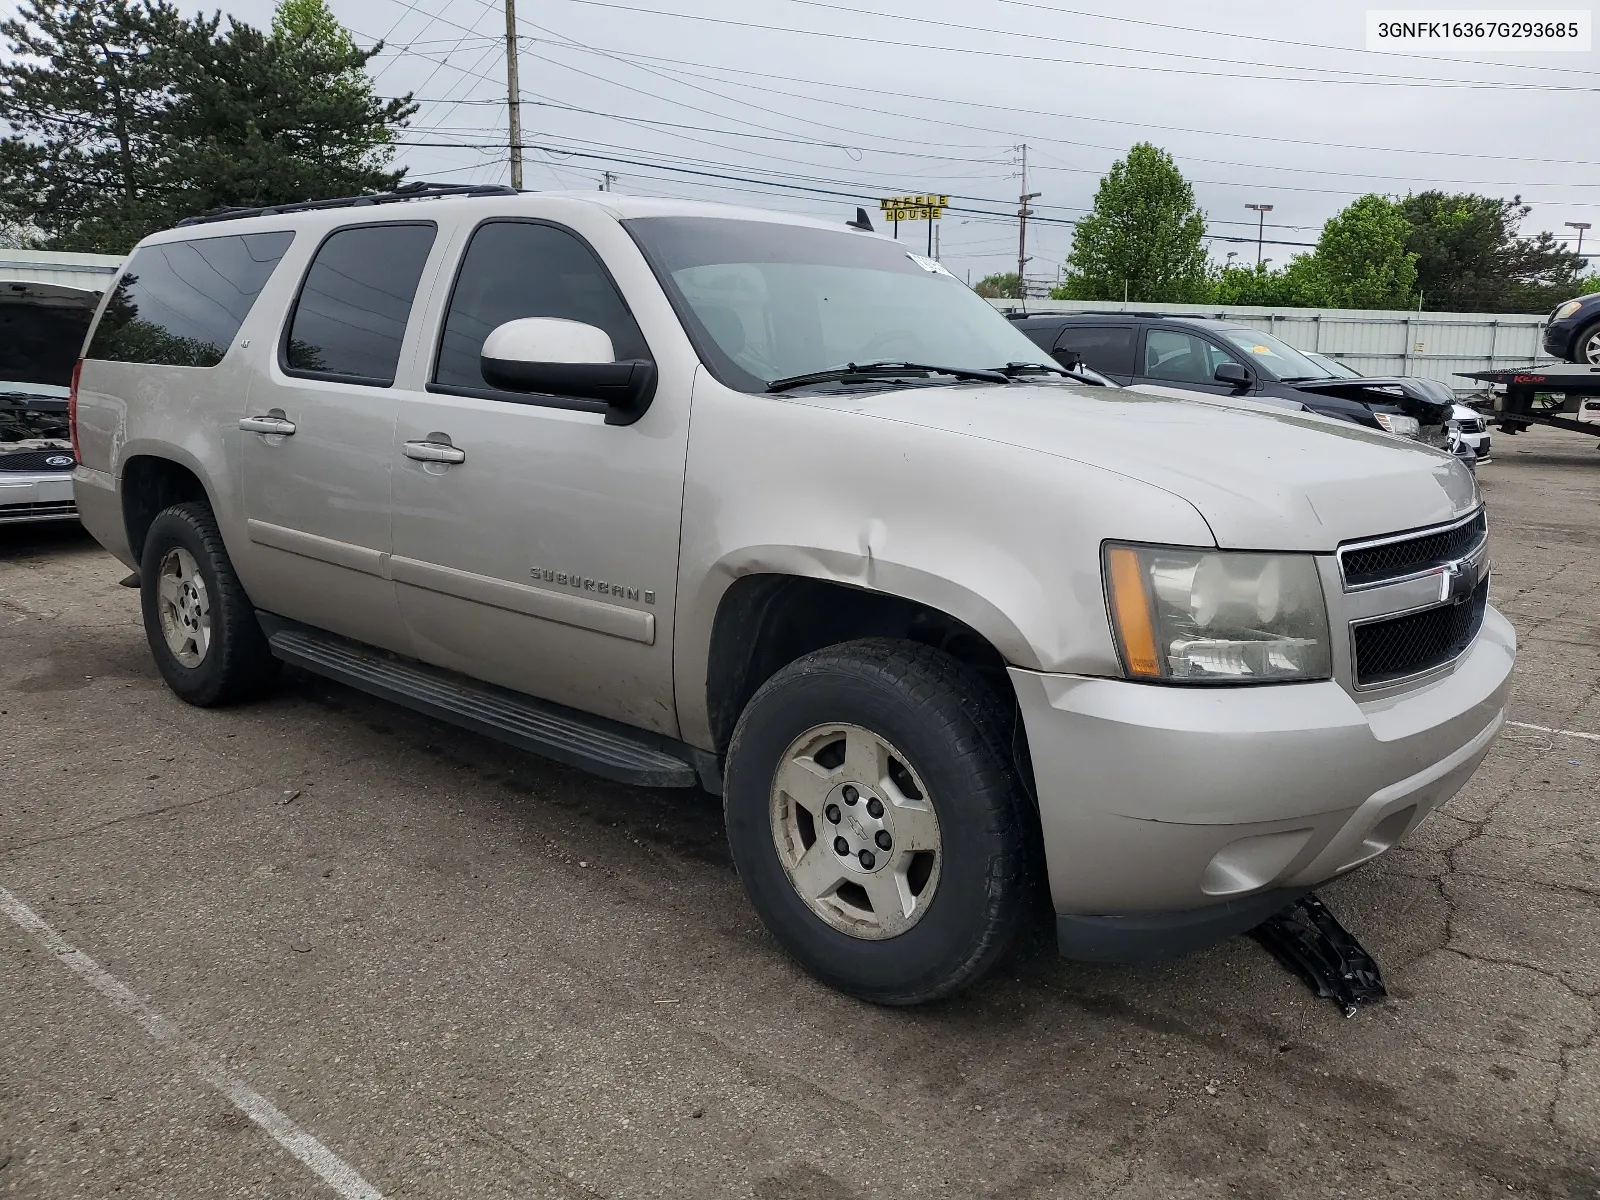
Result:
[1177,358]
[318,440]
[544,557]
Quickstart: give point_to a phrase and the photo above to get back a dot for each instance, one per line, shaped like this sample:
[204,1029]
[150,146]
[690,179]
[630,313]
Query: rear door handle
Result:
[437,452]
[278,425]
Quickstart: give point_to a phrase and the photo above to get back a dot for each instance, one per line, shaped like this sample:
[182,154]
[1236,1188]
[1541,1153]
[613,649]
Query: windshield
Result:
[766,301]
[1277,358]
[1334,367]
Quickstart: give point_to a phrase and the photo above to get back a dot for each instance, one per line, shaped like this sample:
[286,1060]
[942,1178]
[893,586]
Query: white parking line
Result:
[1588,737]
[338,1174]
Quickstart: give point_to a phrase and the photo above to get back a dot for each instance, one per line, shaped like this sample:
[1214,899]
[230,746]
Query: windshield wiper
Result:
[882,368]
[1012,369]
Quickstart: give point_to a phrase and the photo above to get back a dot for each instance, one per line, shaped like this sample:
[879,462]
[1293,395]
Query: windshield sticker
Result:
[1260,350]
[929,264]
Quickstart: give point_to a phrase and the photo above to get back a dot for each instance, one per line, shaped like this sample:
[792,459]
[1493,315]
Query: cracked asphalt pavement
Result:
[473,973]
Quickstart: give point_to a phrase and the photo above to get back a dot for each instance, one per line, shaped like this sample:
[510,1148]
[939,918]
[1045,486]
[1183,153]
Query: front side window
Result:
[350,317]
[765,300]
[1181,357]
[516,269]
[179,304]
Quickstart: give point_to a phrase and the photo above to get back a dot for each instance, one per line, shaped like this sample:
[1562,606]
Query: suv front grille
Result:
[1380,562]
[1398,647]
[35,460]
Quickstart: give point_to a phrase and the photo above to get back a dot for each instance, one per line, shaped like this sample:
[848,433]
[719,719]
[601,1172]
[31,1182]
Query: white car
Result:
[1474,430]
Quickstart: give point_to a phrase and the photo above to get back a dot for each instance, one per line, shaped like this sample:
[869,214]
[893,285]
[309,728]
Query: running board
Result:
[600,747]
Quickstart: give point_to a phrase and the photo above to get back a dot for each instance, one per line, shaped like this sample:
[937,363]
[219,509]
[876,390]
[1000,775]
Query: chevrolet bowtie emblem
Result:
[1456,582]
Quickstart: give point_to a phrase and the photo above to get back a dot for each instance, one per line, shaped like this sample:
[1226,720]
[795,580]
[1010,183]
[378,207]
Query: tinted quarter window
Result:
[352,310]
[1106,348]
[515,269]
[181,303]
[1181,357]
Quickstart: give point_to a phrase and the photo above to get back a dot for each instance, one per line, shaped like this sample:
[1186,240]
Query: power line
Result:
[1387,78]
[627,56]
[1468,85]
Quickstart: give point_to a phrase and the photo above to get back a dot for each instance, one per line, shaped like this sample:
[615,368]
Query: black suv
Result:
[1203,355]
[1574,331]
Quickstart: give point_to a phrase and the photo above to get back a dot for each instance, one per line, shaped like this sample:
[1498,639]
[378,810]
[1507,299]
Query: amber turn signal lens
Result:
[1130,608]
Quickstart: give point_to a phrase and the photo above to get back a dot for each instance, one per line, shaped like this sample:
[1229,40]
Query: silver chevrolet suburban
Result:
[694,496]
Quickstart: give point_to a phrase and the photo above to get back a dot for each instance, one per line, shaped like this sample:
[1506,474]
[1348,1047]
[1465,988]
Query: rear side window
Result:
[350,317]
[515,269]
[179,304]
[1106,348]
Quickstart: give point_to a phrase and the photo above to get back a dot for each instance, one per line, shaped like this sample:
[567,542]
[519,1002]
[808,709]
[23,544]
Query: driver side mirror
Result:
[556,357]
[1232,374]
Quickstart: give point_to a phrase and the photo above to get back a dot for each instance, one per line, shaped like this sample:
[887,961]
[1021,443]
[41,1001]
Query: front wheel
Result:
[201,627]
[876,819]
[1586,346]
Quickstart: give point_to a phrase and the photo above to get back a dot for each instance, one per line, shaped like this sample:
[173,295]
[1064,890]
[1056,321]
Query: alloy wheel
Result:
[856,831]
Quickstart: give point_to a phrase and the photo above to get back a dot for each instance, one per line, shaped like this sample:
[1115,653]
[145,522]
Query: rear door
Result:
[1106,348]
[318,437]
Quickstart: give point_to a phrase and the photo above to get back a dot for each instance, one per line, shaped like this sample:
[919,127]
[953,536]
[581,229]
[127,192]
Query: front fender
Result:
[1003,538]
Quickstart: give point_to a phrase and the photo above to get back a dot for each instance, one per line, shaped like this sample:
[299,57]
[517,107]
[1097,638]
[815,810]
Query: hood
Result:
[1263,479]
[42,327]
[1426,399]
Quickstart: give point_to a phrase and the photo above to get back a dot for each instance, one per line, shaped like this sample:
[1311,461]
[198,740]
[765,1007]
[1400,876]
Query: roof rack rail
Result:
[419,190]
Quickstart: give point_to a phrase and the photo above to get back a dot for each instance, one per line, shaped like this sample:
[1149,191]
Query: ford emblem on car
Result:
[59,460]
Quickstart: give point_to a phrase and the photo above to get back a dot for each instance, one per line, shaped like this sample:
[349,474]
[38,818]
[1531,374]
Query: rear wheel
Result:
[200,624]
[877,821]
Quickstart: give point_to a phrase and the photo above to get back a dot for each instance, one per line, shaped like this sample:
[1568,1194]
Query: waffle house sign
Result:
[913,208]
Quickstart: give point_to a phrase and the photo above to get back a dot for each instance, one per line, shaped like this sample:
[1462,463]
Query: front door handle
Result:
[438,452]
[278,425]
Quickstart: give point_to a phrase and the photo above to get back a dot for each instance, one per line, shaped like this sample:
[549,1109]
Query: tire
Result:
[938,739]
[200,624]
[1586,346]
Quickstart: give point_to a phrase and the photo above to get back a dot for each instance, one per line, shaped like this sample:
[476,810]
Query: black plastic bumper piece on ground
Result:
[1307,939]
[601,747]
[1152,937]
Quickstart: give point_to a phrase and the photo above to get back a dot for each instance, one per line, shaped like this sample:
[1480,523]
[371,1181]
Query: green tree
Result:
[82,94]
[124,116]
[1142,239]
[1297,285]
[999,287]
[272,118]
[1588,285]
[1361,260]
[1470,257]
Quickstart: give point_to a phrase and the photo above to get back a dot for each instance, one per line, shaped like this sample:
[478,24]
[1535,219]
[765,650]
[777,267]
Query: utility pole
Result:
[935,243]
[607,178]
[1261,228]
[1023,213]
[514,94]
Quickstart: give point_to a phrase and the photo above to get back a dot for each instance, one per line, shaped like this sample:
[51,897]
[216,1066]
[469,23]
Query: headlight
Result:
[1398,425]
[1215,616]
[1567,309]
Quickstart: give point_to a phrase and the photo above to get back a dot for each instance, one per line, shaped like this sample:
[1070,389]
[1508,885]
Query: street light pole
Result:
[1261,228]
[1580,226]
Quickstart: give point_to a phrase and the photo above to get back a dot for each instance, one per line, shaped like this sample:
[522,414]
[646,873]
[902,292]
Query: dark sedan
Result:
[1574,331]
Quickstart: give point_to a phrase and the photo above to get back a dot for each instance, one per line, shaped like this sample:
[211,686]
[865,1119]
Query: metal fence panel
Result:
[1376,342]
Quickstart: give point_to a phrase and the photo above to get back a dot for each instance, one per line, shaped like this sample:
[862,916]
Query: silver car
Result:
[695,496]
[36,458]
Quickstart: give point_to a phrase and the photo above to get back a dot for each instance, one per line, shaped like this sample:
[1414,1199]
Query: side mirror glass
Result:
[556,357]
[1232,374]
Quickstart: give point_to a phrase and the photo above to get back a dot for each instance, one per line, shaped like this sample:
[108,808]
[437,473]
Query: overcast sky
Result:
[886,104]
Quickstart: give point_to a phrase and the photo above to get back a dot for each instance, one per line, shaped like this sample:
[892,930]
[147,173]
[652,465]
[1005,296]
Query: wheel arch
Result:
[766,620]
[150,483]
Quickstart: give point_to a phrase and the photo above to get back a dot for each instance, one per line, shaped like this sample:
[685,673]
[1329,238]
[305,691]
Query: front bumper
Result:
[1175,816]
[26,497]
